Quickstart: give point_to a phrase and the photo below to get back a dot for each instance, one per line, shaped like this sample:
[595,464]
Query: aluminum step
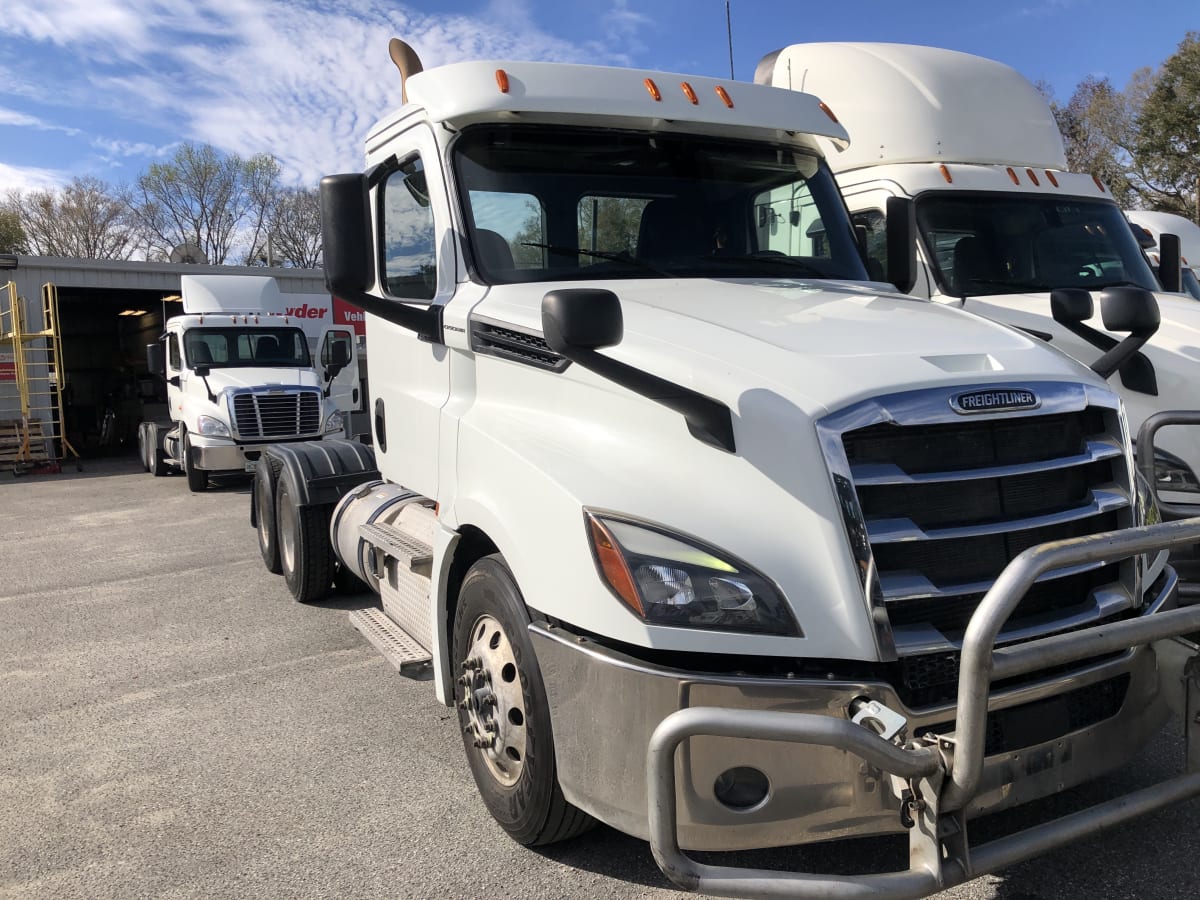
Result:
[413,554]
[405,654]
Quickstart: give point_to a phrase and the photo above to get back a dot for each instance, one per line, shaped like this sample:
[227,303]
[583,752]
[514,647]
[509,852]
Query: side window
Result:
[409,238]
[608,225]
[874,222]
[788,222]
[345,338]
[499,245]
[173,358]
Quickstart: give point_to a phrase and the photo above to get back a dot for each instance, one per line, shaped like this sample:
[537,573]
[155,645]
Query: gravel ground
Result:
[173,725]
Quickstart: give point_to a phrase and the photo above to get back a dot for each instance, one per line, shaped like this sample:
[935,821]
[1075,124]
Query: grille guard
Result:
[946,770]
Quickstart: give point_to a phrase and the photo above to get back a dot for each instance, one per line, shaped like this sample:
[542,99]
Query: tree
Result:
[12,235]
[1168,142]
[87,219]
[294,229]
[1098,127]
[203,198]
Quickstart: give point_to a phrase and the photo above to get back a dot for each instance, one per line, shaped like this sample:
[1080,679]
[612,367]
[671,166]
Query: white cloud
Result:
[24,120]
[301,79]
[28,178]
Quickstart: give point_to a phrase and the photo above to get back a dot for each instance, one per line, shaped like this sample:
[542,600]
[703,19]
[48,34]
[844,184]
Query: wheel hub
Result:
[494,704]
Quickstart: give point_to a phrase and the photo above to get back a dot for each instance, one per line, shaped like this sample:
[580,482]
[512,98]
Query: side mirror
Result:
[577,322]
[201,370]
[1070,306]
[1131,309]
[346,233]
[901,243]
[1170,262]
[156,359]
[174,381]
[349,252]
[581,319]
[339,358]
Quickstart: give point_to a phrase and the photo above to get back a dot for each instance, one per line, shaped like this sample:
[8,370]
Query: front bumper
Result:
[221,454]
[816,793]
[944,778]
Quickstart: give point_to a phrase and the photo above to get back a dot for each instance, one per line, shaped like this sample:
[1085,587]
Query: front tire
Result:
[305,554]
[266,478]
[504,713]
[197,479]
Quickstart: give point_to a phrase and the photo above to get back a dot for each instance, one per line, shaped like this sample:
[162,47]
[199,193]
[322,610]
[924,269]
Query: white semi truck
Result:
[971,148]
[722,545]
[240,376]
[1154,225]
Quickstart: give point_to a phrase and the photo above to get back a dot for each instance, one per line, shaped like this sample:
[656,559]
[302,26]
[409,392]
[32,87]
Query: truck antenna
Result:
[729,36]
[407,61]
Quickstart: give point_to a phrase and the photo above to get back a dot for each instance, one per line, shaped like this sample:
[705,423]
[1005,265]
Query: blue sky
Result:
[105,87]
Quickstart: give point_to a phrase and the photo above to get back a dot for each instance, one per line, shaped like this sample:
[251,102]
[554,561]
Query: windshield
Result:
[546,203]
[1017,243]
[228,347]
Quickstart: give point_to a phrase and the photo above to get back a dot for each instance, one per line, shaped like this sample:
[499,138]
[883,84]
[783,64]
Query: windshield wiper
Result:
[770,259]
[627,258]
[1010,287]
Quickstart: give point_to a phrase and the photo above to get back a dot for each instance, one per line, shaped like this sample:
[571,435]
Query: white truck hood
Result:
[238,377]
[822,345]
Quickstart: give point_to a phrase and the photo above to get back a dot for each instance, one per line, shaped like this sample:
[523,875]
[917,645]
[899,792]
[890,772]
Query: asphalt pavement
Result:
[172,724]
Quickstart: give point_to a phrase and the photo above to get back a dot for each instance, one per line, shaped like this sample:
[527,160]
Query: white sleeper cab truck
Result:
[239,377]
[972,148]
[711,540]
[1153,226]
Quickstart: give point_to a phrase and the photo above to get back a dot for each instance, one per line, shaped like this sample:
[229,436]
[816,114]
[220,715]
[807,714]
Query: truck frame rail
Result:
[943,771]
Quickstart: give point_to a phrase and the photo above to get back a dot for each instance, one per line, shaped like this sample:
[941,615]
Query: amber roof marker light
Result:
[724,95]
[653,89]
[689,93]
[502,81]
[946,173]
[829,112]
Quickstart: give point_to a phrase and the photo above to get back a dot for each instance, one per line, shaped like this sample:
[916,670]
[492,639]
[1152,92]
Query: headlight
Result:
[212,427]
[334,422]
[1172,474]
[668,579]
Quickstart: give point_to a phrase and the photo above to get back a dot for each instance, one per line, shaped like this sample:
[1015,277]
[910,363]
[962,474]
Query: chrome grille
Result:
[276,415]
[937,504]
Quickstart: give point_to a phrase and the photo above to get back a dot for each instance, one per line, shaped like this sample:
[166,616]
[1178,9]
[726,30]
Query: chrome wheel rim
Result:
[494,702]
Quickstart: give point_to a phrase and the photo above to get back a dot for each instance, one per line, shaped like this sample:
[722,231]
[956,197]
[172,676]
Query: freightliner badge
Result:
[994,400]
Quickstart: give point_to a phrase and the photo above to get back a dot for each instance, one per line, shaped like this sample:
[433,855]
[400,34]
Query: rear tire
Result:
[144,446]
[156,457]
[266,477]
[305,554]
[504,712]
[197,479]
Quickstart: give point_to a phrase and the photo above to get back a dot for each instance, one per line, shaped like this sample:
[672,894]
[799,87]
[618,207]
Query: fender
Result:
[323,471]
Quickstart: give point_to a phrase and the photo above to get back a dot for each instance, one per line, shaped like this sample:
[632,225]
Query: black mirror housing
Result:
[1131,309]
[346,233]
[339,354]
[581,318]
[901,243]
[1070,306]
[1170,263]
[156,360]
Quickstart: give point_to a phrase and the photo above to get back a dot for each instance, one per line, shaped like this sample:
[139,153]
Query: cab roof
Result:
[466,93]
[905,103]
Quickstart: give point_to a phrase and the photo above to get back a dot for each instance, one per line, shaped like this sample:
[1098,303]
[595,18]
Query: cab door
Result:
[174,376]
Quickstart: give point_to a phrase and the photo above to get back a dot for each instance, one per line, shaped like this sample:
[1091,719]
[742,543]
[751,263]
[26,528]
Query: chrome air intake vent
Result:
[937,503]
